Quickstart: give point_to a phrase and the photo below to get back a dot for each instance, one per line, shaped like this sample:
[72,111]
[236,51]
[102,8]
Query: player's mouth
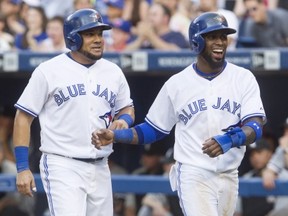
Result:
[96,48]
[218,53]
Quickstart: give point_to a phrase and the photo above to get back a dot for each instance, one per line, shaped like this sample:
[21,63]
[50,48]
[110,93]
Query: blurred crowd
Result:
[37,26]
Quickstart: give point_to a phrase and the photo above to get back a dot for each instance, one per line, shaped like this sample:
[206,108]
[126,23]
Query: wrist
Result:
[123,136]
[127,118]
[21,156]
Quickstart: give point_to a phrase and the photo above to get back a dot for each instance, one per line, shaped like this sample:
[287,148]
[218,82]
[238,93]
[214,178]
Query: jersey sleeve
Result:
[161,114]
[252,105]
[34,95]
[123,97]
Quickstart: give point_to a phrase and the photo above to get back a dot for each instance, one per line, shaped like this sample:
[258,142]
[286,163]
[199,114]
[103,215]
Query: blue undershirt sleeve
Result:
[148,134]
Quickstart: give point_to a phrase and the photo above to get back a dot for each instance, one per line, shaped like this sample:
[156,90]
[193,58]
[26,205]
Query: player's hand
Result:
[118,125]
[269,178]
[212,148]
[25,183]
[102,137]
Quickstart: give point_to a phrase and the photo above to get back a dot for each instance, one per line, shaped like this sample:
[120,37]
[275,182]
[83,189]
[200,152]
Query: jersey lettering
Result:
[105,94]
[73,91]
[79,89]
[227,105]
[200,105]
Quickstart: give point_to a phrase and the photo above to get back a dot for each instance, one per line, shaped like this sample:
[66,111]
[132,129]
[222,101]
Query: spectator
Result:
[114,9]
[55,41]
[6,39]
[81,4]
[212,6]
[54,8]
[35,32]
[120,35]
[162,204]
[268,27]
[182,12]
[259,154]
[6,129]
[10,200]
[279,161]
[119,199]
[151,165]
[136,11]
[12,11]
[156,33]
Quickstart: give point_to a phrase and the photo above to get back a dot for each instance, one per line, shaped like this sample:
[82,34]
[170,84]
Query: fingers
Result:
[25,183]
[211,148]
[95,139]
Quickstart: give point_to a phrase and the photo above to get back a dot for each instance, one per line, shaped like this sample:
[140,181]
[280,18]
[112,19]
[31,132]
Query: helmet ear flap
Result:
[197,44]
[74,41]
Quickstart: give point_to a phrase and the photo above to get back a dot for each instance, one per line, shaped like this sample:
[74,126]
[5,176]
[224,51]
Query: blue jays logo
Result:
[107,118]
[95,17]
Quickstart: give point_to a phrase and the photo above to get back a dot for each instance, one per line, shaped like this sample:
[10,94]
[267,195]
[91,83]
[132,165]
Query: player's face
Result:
[93,43]
[215,48]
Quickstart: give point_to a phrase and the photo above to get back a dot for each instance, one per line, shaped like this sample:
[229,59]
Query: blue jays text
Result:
[199,105]
[79,89]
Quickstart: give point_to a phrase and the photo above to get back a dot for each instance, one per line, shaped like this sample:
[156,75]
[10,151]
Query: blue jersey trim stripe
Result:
[49,196]
[179,189]
[254,115]
[25,110]
[156,127]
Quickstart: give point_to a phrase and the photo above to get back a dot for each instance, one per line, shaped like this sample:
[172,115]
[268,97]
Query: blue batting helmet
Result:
[205,23]
[81,20]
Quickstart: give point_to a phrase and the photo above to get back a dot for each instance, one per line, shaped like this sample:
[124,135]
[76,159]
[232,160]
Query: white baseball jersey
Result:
[72,101]
[201,109]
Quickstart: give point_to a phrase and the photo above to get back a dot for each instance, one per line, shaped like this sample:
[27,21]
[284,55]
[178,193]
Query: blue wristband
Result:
[123,136]
[256,127]
[127,118]
[235,137]
[21,156]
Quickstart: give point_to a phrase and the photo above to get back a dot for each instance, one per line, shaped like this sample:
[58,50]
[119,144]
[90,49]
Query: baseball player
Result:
[216,109]
[73,94]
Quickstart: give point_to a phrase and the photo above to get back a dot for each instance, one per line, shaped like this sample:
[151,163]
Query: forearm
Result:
[251,134]
[140,134]
[127,110]
[135,45]
[21,131]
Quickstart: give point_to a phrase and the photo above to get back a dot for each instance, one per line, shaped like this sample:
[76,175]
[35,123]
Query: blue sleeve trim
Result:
[156,127]
[18,106]
[261,115]
[148,134]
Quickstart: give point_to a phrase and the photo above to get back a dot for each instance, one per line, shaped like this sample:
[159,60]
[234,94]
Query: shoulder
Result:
[177,78]
[107,65]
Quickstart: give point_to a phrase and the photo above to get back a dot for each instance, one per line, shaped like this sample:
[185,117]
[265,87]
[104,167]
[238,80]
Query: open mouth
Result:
[217,53]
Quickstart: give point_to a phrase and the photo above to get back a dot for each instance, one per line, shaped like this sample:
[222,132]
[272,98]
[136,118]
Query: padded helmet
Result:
[81,20]
[205,23]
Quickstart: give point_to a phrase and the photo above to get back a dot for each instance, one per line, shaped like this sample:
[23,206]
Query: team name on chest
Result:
[200,105]
[76,90]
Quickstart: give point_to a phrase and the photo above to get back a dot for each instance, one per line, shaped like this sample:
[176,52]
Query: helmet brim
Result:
[93,25]
[222,28]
